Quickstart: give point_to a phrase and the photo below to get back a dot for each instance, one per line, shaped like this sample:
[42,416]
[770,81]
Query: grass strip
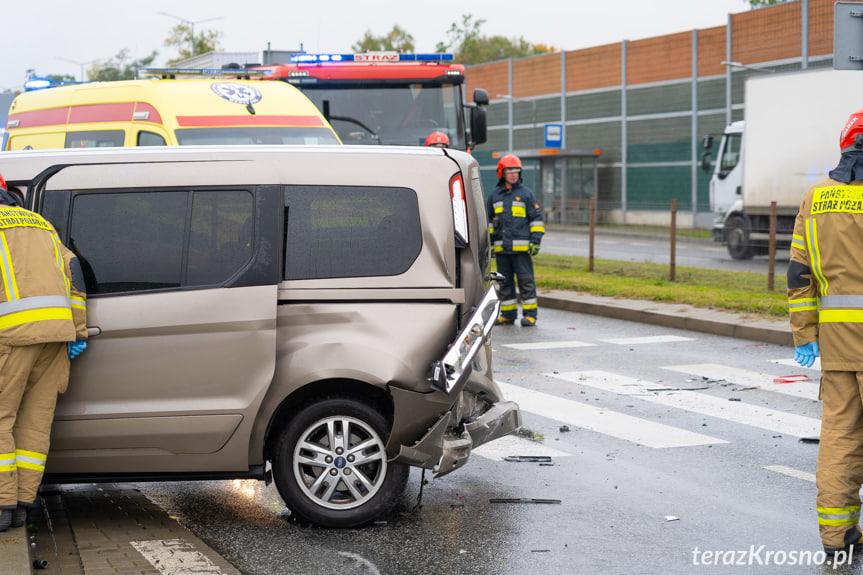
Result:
[741,292]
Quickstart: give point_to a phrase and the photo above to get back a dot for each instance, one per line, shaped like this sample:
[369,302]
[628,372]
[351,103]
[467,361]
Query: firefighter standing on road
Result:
[42,325]
[825,300]
[516,231]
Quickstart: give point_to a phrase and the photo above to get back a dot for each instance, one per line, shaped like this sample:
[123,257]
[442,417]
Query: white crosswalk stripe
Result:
[514,445]
[605,421]
[648,339]
[738,412]
[744,378]
[549,345]
[790,361]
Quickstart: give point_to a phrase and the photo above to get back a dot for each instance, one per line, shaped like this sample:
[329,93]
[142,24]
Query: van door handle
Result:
[91,331]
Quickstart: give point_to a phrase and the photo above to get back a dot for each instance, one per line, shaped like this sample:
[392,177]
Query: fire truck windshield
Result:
[391,114]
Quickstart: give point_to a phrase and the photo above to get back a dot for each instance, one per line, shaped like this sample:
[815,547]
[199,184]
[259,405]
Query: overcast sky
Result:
[40,34]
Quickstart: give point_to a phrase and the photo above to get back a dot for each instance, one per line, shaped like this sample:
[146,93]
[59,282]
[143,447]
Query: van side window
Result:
[350,231]
[150,139]
[95,139]
[131,242]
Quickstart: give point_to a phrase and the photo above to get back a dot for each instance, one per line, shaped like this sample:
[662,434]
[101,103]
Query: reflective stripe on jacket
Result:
[43,296]
[825,274]
[515,219]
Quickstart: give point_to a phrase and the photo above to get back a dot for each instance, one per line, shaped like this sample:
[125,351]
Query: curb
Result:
[678,316]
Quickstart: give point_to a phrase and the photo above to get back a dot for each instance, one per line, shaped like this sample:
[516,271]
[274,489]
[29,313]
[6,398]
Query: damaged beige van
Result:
[318,315]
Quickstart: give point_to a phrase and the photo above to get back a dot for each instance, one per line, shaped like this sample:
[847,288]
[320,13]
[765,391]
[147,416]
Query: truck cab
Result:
[726,190]
[389,98]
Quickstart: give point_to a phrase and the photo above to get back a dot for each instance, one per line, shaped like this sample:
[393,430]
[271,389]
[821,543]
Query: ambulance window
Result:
[96,139]
[150,139]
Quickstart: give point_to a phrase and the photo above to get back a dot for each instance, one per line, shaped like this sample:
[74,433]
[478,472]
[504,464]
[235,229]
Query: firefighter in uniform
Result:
[825,300]
[516,231]
[42,325]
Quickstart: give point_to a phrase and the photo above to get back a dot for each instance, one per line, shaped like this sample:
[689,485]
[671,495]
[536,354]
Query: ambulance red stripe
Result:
[247,120]
[93,113]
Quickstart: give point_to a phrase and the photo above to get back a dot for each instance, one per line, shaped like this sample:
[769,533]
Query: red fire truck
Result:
[389,98]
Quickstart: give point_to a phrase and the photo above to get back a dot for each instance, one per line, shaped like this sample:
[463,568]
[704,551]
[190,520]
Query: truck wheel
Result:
[330,466]
[737,236]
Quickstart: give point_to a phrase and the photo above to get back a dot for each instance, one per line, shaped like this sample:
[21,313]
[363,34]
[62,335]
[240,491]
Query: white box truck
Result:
[788,141]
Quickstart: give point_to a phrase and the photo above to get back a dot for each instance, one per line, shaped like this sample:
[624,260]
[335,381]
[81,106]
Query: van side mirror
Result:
[705,162]
[707,142]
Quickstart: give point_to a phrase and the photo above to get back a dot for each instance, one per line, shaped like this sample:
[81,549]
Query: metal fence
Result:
[647,103]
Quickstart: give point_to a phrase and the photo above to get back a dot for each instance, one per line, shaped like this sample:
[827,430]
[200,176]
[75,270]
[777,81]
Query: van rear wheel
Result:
[330,464]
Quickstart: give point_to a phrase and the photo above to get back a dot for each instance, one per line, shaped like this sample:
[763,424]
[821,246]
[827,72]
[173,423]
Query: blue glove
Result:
[805,354]
[533,249]
[76,347]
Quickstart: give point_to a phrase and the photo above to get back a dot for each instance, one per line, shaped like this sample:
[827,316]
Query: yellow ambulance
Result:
[165,112]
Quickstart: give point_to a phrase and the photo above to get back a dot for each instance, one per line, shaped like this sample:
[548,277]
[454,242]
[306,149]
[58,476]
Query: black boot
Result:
[5,519]
[19,515]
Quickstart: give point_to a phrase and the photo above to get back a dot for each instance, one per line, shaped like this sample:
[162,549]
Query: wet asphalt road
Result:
[625,506]
[656,248]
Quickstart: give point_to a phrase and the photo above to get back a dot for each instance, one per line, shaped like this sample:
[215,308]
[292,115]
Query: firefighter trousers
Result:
[517,267]
[31,376]
[840,458]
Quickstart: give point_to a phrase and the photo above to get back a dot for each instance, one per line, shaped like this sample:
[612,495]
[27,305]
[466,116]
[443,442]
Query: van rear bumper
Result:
[446,451]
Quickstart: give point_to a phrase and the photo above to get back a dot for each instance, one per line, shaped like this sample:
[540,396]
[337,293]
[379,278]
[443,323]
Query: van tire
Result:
[304,454]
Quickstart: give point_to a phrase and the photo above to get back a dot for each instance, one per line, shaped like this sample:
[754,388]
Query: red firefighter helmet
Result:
[438,140]
[508,161]
[3,183]
[848,139]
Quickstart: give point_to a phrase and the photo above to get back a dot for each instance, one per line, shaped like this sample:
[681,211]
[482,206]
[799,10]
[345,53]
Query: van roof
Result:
[171,103]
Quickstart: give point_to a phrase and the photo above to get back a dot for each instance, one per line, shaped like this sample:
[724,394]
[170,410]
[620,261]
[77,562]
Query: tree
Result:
[761,3]
[396,40]
[181,38]
[469,46]
[116,68]
[62,78]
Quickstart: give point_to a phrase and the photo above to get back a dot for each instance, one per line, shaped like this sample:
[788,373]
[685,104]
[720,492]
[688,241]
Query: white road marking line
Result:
[737,412]
[791,472]
[364,563]
[648,339]
[790,361]
[744,378]
[175,557]
[549,345]
[515,445]
[604,421]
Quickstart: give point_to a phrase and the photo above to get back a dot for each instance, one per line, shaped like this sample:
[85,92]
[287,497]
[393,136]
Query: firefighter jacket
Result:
[825,274]
[43,297]
[515,219]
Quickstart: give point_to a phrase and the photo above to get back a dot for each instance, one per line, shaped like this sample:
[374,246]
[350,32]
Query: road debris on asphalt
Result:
[524,500]
[528,458]
[791,378]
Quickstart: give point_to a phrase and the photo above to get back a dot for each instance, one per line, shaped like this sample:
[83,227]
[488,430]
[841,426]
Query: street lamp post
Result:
[533,105]
[82,64]
[191,24]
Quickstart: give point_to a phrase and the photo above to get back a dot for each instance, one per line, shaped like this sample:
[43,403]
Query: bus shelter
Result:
[564,180]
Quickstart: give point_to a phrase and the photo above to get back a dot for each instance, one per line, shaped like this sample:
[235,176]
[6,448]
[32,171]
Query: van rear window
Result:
[242,136]
[350,231]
